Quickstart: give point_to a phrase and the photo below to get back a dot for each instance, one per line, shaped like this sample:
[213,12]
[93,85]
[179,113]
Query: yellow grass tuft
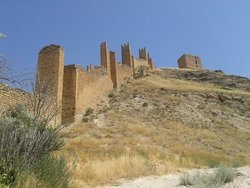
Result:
[98,172]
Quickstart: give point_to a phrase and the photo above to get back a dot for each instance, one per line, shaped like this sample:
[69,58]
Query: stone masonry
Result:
[189,61]
[74,89]
[50,76]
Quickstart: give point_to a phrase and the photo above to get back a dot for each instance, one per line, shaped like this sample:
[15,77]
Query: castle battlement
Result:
[126,45]
[75,89]
[51,48]
[73,66]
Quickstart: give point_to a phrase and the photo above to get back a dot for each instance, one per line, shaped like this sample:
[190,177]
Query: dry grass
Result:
[98,172]
[185,85]
[29,180]
[128,147]
[98,161]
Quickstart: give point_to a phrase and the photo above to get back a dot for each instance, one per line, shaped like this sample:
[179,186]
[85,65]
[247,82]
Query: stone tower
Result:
[49,77]
[143,54]
[105,59]
[126,55]
[189,61]
[113,68]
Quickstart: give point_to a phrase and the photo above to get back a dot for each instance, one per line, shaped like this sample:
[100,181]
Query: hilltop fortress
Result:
[75,89]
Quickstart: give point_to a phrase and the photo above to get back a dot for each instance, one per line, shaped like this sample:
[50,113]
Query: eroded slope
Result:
[165,121]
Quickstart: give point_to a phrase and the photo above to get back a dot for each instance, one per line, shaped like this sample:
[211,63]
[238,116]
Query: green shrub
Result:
[186,180]
[7,178]
[219,177]
[26,147]
[23,146]
[224,174]
[53,171]
[213,163]
[19,115]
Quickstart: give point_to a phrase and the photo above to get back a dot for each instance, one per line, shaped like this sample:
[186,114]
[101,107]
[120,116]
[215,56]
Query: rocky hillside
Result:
[167,120]
[217,77]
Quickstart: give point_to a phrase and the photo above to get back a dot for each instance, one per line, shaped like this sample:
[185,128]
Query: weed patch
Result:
[220,176]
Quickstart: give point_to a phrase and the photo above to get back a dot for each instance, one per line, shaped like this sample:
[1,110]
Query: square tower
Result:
[49,79]
[113,68]
[126,55]
[105,59]
[143,54]
[189,61]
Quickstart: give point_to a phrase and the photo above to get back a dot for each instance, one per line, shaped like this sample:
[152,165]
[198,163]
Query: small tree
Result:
[18,79]
[43,104]
[3,69]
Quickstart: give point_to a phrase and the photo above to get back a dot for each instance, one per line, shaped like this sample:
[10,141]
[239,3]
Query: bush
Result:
[219,71]
[53,171]
[19,115]
[141,71]
[89,111]
[188,179]
[7,178]
[25,144]
[219,177]
[224,174]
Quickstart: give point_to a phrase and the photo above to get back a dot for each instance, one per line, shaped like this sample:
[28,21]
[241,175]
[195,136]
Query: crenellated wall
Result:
[143,54]
[126,54]
[75,89]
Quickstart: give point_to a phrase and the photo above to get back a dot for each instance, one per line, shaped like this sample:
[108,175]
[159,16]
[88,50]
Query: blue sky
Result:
[216,30]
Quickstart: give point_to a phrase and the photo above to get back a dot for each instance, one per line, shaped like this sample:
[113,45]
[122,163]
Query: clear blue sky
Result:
[216,30]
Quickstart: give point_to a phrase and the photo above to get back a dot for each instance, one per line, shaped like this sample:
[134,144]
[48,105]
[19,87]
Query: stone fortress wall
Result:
[75,89]
[10,97]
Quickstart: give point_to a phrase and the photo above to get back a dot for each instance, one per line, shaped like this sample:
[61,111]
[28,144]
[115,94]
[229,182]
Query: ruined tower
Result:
[105,59]
[143,54]
[151,63]
[70,87]
[113,68]
[189,61]
[126,55]
[49,78]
